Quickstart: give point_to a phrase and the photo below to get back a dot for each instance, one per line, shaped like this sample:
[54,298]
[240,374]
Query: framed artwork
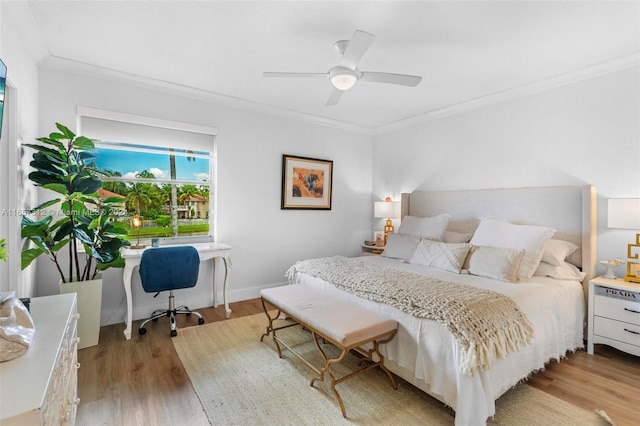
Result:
[306,183]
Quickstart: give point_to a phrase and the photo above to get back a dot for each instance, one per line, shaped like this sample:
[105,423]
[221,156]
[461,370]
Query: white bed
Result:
[425,354]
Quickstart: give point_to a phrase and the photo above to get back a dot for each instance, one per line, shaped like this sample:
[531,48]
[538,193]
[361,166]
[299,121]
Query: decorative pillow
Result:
[432,228]
[566,271]
[531,239]
[456,237]
[556,252]
[495,262]
[400,246]
[449,257]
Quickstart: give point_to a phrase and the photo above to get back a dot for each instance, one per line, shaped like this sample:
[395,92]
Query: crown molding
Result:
[597,70]
[66,65]
[618,64]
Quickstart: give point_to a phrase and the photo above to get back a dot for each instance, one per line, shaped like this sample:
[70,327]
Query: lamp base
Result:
[388,228]
[610,274]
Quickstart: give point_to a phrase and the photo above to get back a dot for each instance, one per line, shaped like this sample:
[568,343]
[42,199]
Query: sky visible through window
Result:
[130,163]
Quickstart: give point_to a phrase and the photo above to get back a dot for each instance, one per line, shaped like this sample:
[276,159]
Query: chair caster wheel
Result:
[200,321]
[174,333]
[141,331]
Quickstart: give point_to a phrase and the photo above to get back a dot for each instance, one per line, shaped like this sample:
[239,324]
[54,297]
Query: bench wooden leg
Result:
[271,330]
[327,369]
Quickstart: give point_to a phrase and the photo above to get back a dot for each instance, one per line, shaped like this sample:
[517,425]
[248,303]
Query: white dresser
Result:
[40,386]
[614,314]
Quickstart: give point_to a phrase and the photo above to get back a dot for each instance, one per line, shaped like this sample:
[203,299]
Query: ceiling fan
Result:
[346,73]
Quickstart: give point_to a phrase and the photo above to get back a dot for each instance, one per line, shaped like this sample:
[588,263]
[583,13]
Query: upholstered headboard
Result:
[571,210]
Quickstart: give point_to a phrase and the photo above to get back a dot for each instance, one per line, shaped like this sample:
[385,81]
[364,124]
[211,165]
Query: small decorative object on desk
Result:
[16,329]
[611,264]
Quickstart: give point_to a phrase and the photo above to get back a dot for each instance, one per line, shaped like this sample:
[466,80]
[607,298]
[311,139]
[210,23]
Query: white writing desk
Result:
[206,251]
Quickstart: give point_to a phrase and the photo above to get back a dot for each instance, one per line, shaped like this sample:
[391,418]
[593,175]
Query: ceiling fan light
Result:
[343,81]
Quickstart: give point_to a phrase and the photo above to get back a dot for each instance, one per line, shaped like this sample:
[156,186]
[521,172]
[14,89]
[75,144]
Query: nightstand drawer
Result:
[617,309]
[616,330]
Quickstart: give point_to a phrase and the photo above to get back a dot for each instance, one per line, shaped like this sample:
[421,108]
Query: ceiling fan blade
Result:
[358,46]
[387,77]
[334,97]
[295,74]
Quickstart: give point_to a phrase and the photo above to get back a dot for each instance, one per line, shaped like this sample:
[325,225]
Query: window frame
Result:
[172,125]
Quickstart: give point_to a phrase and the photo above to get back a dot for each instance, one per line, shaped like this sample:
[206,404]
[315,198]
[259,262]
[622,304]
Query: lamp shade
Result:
[624,213]
[387,209]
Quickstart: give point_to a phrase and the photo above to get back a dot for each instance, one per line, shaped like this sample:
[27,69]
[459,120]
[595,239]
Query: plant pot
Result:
[89,294]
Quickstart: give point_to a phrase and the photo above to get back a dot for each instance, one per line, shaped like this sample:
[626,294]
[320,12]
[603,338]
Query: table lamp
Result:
[387,209]
[136,222]
[624,213]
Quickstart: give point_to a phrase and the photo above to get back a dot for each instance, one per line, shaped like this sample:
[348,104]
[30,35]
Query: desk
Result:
[206,251]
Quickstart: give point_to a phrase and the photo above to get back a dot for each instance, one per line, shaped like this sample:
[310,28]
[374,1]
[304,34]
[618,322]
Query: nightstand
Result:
[614,314]
[371,250]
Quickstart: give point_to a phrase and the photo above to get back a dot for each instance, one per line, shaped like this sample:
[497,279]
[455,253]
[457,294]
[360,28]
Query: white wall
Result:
[266,241]
[583,133]
[20,123]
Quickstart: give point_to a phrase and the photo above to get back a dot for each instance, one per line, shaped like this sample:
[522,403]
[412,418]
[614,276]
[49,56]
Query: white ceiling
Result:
[464,51]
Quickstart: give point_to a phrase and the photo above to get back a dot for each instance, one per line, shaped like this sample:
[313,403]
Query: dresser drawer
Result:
[617,330]
[622,310]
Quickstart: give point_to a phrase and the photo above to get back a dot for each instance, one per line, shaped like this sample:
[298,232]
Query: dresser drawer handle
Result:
[631,310]
[631,331]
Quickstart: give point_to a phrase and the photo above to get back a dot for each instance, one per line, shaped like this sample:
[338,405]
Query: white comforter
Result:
[425,354]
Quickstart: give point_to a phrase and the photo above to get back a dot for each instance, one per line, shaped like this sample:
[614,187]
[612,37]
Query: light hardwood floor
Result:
[142,382]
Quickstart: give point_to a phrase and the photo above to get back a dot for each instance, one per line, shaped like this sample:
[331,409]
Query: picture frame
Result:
[306,183]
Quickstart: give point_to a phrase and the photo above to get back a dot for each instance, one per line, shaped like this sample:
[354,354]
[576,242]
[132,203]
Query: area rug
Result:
[241,381]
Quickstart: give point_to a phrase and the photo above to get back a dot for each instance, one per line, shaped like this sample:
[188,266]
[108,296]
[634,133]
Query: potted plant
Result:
[3,250]
[62,163]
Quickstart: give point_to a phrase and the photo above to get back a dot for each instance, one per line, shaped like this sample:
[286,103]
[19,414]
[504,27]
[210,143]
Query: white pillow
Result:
[556,252]
[456,237]
[432,228]
[400,246]
[449,257]
[531,239]
[566,271]
[495,262]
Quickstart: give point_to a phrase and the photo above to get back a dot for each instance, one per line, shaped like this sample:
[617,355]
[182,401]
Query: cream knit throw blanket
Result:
[487,324]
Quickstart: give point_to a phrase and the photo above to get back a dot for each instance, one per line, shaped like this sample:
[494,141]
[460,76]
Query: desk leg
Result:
[126,278]
[227,273]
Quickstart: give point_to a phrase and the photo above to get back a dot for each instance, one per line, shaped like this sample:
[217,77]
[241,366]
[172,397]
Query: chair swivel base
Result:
[171,313]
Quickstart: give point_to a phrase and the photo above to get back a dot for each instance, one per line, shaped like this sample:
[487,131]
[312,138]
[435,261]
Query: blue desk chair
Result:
[169,268]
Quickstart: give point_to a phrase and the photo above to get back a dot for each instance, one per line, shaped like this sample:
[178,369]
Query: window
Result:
[164,175]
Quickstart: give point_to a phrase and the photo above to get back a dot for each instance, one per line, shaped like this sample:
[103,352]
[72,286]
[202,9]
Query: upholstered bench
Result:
[343,324]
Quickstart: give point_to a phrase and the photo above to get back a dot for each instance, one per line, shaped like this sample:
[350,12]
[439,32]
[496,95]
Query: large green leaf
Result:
[41,178]
[58,154]
[29,256]
[85,143]
[118,263]
[50,141]
[56,187]
[63,231]
[86,184]
[31,228]
[68,134]
[46,204]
